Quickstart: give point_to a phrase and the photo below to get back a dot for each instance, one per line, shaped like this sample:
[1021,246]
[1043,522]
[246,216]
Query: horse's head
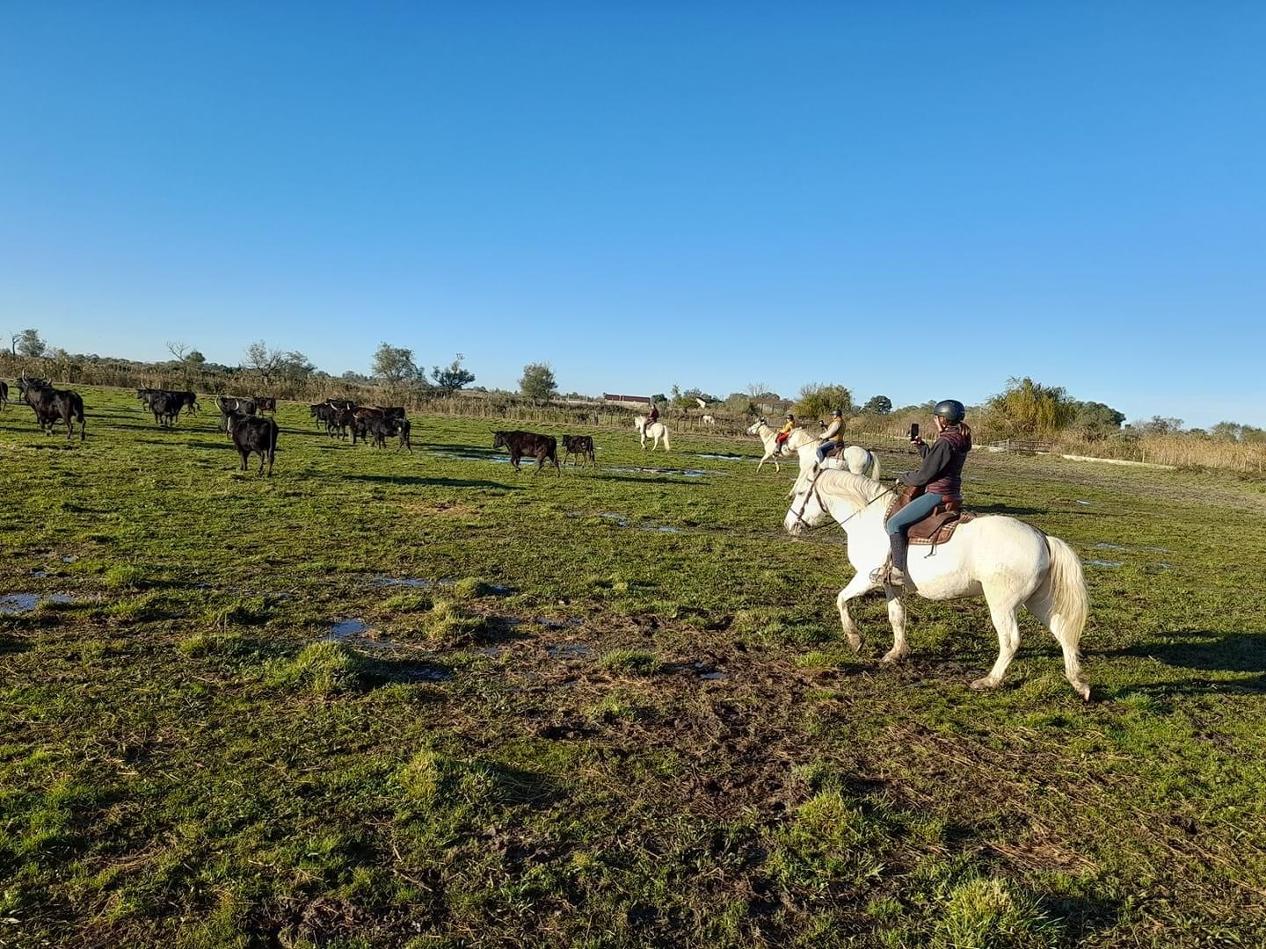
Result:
[807,507]
[754,428]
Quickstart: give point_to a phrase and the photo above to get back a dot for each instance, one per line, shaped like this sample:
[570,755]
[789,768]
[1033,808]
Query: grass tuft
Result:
[124,576]
[321,668]
[985,913]
[631,662]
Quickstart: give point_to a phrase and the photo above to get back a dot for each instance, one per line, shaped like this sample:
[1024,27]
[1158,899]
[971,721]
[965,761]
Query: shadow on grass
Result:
[435,482]
[1204,651]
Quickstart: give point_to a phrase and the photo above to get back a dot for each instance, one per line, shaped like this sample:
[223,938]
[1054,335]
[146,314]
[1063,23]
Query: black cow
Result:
[53,405]
[4,394]
[520,444]
[188,399]
[380,429]
[166,407]
[322,413]
[581,445]
[265,403]
[254,434]
[229,404]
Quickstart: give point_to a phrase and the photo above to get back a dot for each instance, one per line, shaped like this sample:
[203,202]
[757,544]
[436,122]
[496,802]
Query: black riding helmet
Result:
[951,410]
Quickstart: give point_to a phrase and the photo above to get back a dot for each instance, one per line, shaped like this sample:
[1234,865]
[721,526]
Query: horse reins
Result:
[813,492]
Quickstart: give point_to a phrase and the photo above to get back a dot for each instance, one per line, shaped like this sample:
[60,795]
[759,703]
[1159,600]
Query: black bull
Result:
[528,444]
[581,445]
[54,405]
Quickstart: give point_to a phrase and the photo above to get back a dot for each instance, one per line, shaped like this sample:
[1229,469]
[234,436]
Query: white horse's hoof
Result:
[985,683]
[855,643]
[1082,689]
[895,655]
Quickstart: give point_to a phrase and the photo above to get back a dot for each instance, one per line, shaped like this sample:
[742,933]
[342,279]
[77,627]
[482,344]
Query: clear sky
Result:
[913,199]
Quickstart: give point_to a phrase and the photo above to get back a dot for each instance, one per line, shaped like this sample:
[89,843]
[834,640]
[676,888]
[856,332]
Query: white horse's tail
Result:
[667,444]
[1067,604]
[872,470]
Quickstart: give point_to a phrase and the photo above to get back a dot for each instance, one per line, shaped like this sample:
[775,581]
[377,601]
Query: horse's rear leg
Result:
[1040,606]
[1002,610]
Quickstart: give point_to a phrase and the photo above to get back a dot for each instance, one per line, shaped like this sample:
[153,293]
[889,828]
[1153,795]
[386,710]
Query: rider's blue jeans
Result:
[823,449]
[913,512]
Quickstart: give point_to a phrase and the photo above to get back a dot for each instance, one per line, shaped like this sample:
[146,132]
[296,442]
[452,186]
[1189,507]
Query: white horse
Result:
[769,438]
[854,458]
[1005,560]
[708,420]
[657,431]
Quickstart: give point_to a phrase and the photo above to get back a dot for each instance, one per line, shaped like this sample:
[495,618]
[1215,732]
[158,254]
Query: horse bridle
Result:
[813,492]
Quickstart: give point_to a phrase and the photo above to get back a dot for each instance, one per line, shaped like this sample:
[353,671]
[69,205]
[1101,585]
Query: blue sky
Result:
[913,199]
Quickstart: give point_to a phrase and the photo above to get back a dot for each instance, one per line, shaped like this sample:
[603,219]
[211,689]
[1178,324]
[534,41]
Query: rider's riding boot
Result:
[900,547]
[893,570]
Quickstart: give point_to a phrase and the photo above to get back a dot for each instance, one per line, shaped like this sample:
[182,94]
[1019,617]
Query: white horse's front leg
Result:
[897,617]
[860,584]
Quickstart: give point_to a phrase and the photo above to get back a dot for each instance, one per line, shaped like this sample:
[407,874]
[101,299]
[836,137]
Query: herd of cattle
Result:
[252,432]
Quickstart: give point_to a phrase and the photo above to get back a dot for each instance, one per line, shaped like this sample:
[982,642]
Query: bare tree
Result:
[178,349]
[263,360]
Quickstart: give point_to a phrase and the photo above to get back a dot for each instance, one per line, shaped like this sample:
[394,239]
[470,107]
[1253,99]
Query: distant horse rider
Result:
[781,438]
[940,479]
[651,418]
[833,437]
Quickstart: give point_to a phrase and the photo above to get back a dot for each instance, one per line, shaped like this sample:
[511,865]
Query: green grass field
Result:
[388,699]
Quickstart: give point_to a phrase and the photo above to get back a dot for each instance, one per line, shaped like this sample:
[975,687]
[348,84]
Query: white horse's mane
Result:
[853,487]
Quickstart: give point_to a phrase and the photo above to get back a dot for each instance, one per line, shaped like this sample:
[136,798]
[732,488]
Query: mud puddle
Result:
[569,650]
[1106,564]
[685,472]
[13,604]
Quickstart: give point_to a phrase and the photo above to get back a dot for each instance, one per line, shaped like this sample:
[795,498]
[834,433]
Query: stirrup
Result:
[882,573]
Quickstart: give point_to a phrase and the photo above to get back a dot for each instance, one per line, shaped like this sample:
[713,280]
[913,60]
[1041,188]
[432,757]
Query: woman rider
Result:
[833,437]
[781,438]
[940,479]
[651,418]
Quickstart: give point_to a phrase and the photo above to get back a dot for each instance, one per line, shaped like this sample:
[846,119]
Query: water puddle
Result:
[708,672]
[1107,564]
[1084,503]
[463,456]
[1152,550]
[347,629]
[556,622]
[568,650]
[18,603]
[623,521]
[491,651]
[415,583]
[14,603]
[685,472]
[424,673]
[720,457]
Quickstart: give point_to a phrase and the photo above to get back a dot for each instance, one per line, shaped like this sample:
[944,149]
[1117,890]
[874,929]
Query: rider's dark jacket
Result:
[942,470]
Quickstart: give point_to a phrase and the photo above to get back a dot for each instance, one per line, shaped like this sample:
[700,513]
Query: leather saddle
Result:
[835,452]
[938,527]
